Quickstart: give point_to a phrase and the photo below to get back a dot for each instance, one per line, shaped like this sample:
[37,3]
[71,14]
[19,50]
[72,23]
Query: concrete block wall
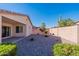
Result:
[69,33]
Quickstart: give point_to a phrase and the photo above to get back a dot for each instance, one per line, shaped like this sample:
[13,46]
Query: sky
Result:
[48,13]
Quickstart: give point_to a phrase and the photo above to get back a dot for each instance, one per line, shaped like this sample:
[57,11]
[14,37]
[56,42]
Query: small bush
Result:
[7,49]
[65,50]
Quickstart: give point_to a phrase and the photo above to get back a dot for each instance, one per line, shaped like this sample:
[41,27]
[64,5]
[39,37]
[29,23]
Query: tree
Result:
[70,22]
[65,22]
[61,23]
[43,27]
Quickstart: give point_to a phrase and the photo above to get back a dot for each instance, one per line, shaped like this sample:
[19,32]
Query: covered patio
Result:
[11,29]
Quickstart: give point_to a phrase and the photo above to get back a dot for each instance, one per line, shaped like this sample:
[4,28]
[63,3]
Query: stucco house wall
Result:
[29,28]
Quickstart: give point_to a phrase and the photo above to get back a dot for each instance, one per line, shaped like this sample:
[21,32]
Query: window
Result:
[19,29]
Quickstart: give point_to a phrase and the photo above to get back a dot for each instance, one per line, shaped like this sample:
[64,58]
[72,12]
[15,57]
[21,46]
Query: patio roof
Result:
[11,21]
[15,13]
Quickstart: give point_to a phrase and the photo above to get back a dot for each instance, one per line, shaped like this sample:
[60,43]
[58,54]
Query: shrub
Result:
[65,50]
[7,49]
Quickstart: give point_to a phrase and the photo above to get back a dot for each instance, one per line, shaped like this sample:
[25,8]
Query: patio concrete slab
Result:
[12,39]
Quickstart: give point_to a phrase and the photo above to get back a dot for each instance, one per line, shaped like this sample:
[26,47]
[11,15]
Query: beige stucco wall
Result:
[66,33]
[19,34]
[29,28]
[13,29]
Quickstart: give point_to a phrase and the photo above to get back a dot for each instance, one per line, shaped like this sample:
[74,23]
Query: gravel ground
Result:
[40,46]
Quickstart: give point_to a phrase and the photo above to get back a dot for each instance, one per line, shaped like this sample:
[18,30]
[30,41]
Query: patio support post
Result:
[0,29]
[26,30]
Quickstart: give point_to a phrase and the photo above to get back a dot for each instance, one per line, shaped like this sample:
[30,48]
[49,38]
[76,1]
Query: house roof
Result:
[15,13]
[35,27]
[10,12]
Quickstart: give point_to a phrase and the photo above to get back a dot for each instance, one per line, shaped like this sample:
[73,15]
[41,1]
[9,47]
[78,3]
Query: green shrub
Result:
[7,49]
[65,50]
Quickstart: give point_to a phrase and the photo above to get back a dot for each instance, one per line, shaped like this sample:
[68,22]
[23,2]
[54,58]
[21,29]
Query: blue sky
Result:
[48,13]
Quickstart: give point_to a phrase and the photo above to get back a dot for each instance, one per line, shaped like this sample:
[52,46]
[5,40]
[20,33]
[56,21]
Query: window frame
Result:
[19,29]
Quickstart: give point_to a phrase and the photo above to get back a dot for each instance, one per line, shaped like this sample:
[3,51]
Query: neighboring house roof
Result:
[34,27]
[15,13]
